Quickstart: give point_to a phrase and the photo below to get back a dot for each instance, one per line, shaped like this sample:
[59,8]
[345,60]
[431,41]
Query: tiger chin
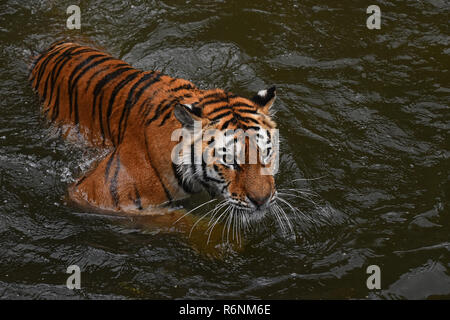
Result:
[133,114]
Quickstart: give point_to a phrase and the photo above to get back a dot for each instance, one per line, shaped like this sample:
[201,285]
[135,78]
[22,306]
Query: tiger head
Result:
[238,147]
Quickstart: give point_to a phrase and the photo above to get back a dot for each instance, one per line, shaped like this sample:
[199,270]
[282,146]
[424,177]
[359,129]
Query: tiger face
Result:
[238,145]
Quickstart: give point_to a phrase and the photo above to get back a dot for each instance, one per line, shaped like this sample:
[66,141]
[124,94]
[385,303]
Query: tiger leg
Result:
[121,184]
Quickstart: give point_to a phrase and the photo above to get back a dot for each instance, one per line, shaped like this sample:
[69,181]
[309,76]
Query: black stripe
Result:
[226,107]
[245,110]
[90,66]
[225,186]
[168,195]
[220,116]
[193,167]
[184,86]
[73,84]
[42,67]
[44,54]
[211,95]
[38,59]
[113,184]
[76,120]
[186,188]
[100,118]
[47,110]
[226,123]
[108,165]
[129,103]
[145,87]
[59,63]
[81,180]
[108,78]
[146,107]
[208,178]
[151,82]
[240,118]
[167,116]
[113,95]
[223,99]
[137,201]
[71,81]
[55,76]
[125,121]
[63,59]
[242,104]
[251,127]
[55,112]
[156,79]
[161,107]
[111,67]
[99,86]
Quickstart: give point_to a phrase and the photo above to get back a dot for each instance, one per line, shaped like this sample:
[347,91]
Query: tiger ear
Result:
[265,98]
[187,114]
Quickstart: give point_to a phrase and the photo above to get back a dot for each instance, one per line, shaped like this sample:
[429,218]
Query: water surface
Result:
[366,111]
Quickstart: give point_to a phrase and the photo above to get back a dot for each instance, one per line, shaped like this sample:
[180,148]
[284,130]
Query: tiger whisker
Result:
[277,216]
[302,191]
[232,223]
[284,213]
[236,225]
[211,228]
[201,205]
[228,223]
[237,229]
[298,196]
[295,210]
[216,211]
[203,216]
[282,216]
[241,228]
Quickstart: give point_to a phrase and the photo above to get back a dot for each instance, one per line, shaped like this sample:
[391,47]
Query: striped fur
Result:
[131,112]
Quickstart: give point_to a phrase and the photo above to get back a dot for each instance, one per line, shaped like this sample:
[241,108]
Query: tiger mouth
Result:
[251,212]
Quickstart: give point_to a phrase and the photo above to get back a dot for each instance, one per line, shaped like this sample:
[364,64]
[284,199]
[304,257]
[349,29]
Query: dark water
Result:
[367,111]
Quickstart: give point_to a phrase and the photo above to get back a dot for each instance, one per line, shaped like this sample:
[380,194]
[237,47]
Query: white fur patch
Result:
[262,93]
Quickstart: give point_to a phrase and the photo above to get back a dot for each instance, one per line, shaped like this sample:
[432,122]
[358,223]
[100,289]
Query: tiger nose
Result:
[258,201]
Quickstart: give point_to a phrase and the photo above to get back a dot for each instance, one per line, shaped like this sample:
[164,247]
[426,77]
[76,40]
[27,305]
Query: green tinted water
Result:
[365,110]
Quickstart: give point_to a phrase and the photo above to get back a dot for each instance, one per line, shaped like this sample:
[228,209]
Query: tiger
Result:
[132,114]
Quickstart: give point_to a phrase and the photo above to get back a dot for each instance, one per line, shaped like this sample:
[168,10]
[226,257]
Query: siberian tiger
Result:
[134,113]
